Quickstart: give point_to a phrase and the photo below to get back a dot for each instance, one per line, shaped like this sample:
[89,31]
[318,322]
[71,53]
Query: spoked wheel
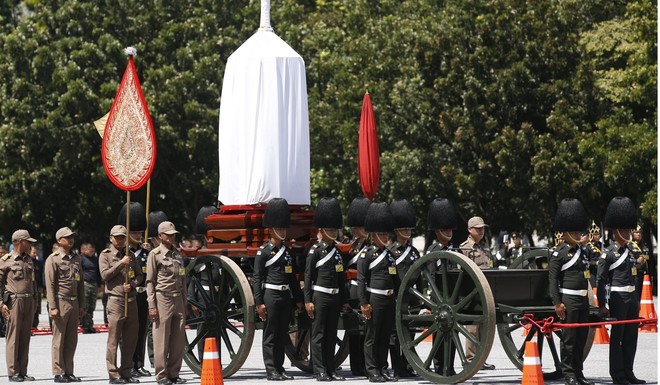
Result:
[531,259]
[298,348]
[221,292]
[457,296]
[513,342]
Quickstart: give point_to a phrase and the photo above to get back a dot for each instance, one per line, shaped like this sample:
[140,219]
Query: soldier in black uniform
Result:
[357,212]
[325,289]
[641,254]
[138,223]
[616,268]
[593,250]
[405,254]
[377,283]
[568,276]
[275,287]
[442,221]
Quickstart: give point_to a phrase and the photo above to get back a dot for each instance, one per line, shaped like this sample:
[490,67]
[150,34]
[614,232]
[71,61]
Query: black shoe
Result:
[572,381]
[620,381]
[16,378]
[584,381]
[376,378]
[143,372]
[389,378]
[488,366]
[61,378]
[405,374]
[89,331]
[323,377]
[117,381]
[336,376]
[164,381]
[135,373]
[27,378]
[274,376]
[131,380]
[72,378]
[635,380]
[178,380]
[285,375]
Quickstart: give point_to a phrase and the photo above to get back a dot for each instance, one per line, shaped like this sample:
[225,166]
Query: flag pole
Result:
[146,231]
[128,226]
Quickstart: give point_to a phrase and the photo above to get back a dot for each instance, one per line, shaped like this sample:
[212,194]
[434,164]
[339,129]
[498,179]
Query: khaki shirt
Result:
[476,252]
[63,276]
[113,272]
[16,275]
[165,273]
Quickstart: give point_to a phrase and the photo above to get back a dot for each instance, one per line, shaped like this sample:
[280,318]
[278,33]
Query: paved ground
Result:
[90,363]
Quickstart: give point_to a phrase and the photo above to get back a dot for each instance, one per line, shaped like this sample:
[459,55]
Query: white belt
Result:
[581,293]
[276,287]
[353,282]
[626,289]
[387,292]
[326,290]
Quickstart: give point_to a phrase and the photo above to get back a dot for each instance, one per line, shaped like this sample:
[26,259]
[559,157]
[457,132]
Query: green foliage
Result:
[505,107]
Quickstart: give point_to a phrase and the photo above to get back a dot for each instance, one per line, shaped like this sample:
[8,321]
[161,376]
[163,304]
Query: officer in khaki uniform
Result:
[65,291]
[166,294]
[472,249]
[17,303]
[117,268]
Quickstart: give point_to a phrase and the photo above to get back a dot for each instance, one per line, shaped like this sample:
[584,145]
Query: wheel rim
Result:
[223,311]
[528,257]
[298,349]
[457,298]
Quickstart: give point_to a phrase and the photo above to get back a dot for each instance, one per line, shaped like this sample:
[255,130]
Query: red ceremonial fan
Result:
[129,142]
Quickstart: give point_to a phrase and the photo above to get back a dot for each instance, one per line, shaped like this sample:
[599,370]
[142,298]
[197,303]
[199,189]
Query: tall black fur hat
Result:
[570,216]
[138,217]
[357,212]
[403,214]
[277,214]
[155,219]
[201,227]
[621,213]
[379,219]
[328,214]
[442,214]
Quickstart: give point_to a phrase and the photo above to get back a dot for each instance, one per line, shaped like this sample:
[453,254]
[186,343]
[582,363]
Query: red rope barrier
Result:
[548,325]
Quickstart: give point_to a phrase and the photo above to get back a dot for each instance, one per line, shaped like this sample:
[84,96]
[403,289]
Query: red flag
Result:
[368,152]
[129,143]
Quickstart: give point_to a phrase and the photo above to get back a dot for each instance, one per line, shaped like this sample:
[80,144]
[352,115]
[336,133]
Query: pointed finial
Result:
[264,24]
[130,51]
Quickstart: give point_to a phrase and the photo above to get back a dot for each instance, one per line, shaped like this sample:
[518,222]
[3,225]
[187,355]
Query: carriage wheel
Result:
[514,345]
[529,257]
[227,312]
[454,299]
[298,348]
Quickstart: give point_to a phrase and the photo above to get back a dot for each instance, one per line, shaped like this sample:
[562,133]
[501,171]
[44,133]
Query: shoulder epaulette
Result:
[313,249]
[635,246]
[465,243]
[157,251]
[6,256]
[106,250]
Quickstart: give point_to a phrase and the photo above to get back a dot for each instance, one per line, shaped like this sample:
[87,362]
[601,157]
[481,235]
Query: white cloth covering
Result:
[263,135]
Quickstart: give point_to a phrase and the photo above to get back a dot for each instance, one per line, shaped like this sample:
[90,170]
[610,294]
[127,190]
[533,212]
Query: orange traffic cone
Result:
[646,309]
[211,367]
[532,373]
[601,336]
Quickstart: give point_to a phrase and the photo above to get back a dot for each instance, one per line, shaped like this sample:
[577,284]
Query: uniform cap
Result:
[118,230]
[442,214]
[277,214]
[201,227]
[328,214]
[138,217]
[403,214]
[570,216]
[63,232]
[167,227]
[476,222]
[21,234]
[155,219]
[357,212]
[621,213]
[379,219]
[515,234]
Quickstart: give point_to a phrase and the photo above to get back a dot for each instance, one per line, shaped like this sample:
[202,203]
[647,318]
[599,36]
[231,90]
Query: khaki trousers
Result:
[470,348]
[169,336]
[65,337]
[19,331]
[121,330]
